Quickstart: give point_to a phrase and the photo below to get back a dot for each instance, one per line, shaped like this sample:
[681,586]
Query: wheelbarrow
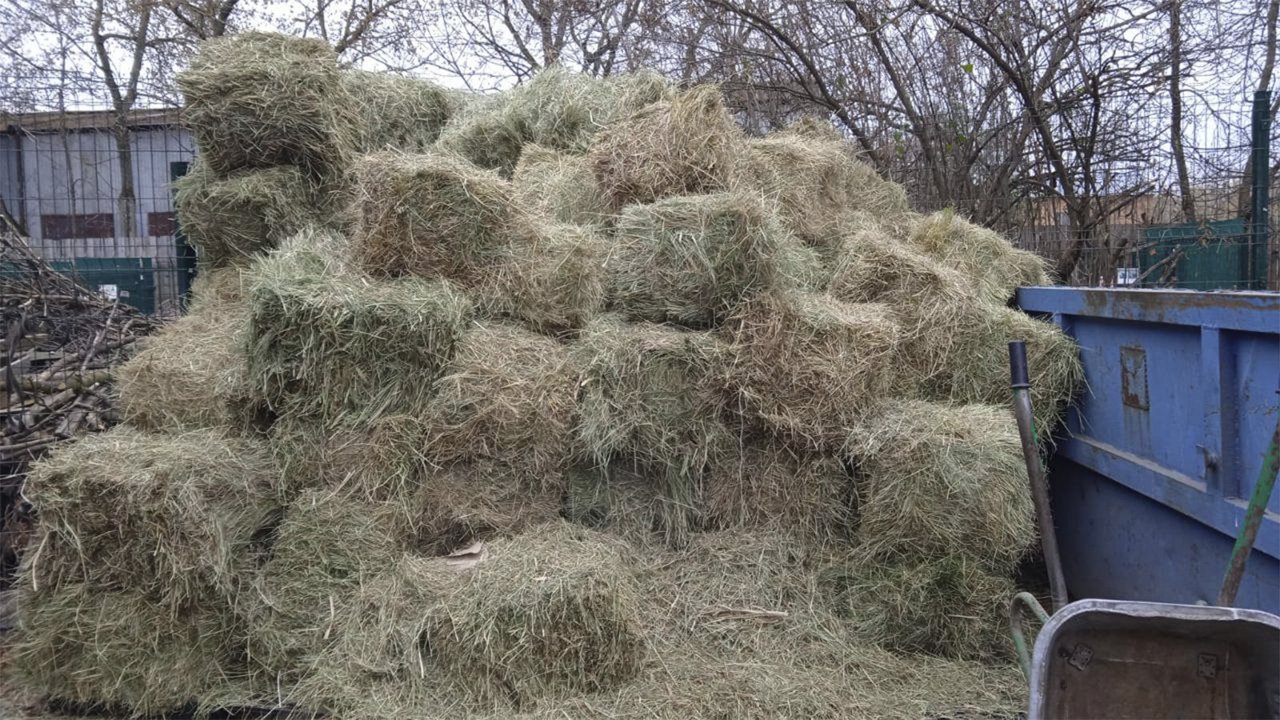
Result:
[1114,659]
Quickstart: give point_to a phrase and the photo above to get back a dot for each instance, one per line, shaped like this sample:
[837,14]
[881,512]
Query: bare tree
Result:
[1175,111]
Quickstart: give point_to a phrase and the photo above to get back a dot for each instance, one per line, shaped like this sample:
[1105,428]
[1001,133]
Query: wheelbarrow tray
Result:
[1107,659]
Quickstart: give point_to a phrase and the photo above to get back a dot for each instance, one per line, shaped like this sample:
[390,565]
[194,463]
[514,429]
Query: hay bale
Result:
[190,375]
[814,180]
[693,260]
[397,112]
[433,215]
[458,505]
[683,146]
[121,652]
[654,397]
[508,397]
[256,100]
[232,220]
[548,614]
[1053,359]
[948,605]
[554,282]
[483,134]
[328,345]
[937,480]
[559,185]
[375,459]
[327,544]
[982,255]
[766,484]
[808,365]
[174,516]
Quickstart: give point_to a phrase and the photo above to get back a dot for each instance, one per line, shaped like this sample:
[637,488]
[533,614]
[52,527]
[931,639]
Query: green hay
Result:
[947,605]
[173,516]
[434,215]
[397,112]
[119,651]
[508,398]
[560,186]
[938,481]
[815,180]
[766,484]
[256,100]
[232,220]
[693,260]
[328,345]
[982,255]
[551,613]
[809,366]
[328,544]
[683,146]
[483,134]
[375,460]
[554,283]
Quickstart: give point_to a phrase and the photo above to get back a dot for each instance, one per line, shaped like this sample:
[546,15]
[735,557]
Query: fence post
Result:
[1264,261]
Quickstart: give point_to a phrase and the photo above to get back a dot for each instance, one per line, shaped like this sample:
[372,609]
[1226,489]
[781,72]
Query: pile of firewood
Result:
[61,340]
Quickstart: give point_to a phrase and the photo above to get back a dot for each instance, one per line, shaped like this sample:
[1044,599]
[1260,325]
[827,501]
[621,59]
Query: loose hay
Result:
[938,481]
[327,345]
[483,134]
[433,215]
[397,112]
[692,260]
[461,504]
[172,516]
[554,282]
[256,100]
[234,219]
[682,146]
[947,605]
[808,365]
[509,398]
[988,259]
[548,614]
[559,185]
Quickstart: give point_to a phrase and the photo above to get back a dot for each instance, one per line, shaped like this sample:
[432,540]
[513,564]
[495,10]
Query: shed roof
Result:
[79,120]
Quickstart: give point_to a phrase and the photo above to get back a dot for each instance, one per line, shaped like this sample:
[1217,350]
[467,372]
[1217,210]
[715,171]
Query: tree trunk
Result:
[1078,238]
[127,201]
[1175,107]
[1264,83]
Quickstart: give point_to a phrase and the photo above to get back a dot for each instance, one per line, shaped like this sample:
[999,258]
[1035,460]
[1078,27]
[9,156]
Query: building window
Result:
[161,223]
[66,227]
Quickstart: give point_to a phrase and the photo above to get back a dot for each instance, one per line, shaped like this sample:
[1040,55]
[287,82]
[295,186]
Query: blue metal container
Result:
[1161,451]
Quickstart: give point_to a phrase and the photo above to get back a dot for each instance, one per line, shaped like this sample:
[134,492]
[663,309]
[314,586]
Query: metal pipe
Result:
[1252,520]
[1021,384]
[1021,648]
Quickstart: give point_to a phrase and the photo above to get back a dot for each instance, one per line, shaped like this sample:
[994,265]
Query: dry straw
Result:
[397,112]
[257,100]
[692,260]
[808,365]
[686,145]
[554,282]
[559,185]
[987,259]
[232,220]
[937,481]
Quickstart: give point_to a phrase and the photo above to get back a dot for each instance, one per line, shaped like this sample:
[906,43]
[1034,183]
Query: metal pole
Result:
[1021,384]
[1260,210]
[1252,520]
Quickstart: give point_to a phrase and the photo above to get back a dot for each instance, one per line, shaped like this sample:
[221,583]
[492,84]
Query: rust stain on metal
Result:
[1133,377]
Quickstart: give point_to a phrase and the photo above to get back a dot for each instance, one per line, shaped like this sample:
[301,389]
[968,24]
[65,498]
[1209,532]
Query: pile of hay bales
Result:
[568,401]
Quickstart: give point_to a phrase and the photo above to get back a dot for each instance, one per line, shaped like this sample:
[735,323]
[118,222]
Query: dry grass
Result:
[257,100]
[947,605]
[692,260]
[232,220]
[433,215]
[937,481]
[554,282]
[559,185]
[814,179]
[397,112]
[508,397]
[457,505]
[686,145]
[988,260]
[808,365]
[327,345]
